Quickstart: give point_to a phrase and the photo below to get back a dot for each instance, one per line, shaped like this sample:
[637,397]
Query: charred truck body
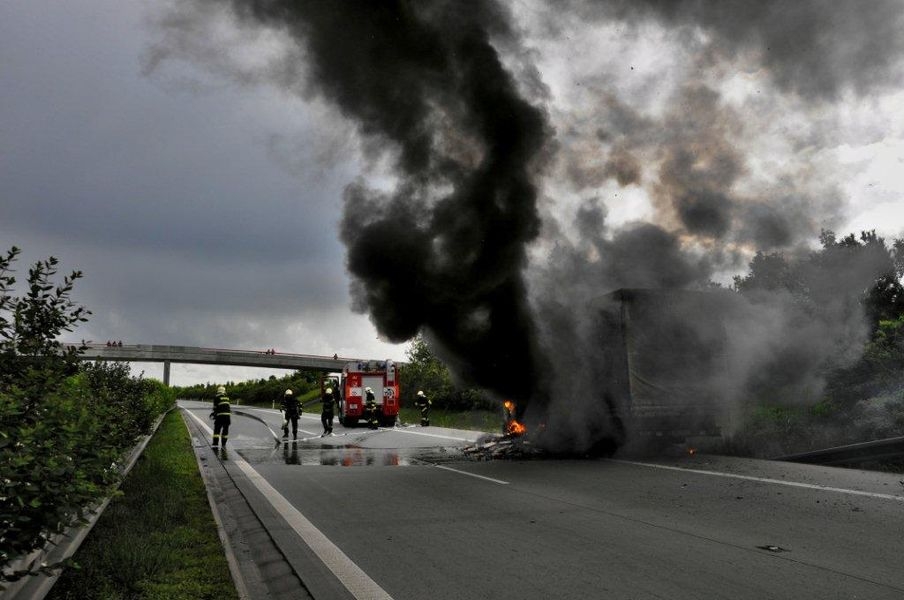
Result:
[382,377]
[666,363]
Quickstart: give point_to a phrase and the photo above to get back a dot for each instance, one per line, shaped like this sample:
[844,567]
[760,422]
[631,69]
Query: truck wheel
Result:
[348,422]
[387,421]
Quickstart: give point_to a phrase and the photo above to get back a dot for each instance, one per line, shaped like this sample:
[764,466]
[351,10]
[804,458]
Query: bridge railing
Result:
[203,349]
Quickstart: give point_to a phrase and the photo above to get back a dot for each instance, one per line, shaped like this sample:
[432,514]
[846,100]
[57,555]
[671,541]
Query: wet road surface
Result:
[416,518]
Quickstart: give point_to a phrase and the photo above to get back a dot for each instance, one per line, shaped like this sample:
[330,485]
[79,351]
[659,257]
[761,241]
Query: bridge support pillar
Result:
[166,367]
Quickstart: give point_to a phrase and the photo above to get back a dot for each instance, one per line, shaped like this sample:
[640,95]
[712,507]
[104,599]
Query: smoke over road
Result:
[487,218]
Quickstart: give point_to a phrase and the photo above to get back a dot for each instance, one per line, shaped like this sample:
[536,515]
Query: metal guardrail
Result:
[878,450]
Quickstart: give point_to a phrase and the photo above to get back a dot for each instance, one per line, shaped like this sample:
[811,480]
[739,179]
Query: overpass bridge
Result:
[213,356]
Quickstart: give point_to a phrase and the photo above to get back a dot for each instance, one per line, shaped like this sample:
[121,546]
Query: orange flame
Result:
[512,426]
[692,451]
[516,428]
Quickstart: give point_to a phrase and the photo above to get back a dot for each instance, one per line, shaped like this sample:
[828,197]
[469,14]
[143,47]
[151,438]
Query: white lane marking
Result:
[435,435]
[355,580]
[499,481]
[809,486]
[351,575]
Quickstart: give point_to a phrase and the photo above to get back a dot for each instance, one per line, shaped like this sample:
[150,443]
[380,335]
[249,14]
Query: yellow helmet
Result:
[221,390]
[288,393]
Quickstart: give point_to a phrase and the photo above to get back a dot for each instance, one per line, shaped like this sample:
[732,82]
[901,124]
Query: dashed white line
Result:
[499,481]
[809,486]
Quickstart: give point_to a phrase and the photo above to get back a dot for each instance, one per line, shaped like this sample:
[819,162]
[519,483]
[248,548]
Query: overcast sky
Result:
[181,163]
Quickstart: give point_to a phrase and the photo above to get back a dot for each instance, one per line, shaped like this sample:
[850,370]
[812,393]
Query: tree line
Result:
[863,394]
[257,392]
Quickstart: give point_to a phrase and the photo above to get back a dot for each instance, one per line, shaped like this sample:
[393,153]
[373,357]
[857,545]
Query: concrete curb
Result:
[66,544]
[238,577]
[261,564]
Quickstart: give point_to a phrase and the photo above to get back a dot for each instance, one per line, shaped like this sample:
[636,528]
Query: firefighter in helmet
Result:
[291,410]
[326,413]
[370,407]
[221,415]
[423,403]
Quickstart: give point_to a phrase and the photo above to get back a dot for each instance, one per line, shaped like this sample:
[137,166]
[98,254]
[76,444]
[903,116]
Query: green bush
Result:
[62,430]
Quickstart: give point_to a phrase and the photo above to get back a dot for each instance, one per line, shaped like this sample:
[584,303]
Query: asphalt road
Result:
[404,514]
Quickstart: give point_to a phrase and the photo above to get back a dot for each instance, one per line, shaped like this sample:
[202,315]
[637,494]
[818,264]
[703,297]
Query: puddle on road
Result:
[348,456]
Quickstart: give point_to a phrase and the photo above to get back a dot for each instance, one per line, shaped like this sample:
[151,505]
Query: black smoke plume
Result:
[444,251]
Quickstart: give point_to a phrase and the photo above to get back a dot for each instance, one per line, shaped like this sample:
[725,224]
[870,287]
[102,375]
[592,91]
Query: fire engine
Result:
[380,376]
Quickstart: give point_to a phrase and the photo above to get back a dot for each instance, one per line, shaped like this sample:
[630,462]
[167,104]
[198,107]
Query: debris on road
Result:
[502,447]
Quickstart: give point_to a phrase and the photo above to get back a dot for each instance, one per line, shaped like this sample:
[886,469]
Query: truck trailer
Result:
[666,362]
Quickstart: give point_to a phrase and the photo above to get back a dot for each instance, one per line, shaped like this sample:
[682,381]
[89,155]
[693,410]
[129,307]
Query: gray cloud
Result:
[807,47]
[160,185]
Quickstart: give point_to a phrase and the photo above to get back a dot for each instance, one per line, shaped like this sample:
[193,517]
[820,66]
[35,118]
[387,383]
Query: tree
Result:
[31,354]
[866,266]
[426,372]
[42,428]
[770,272]
[862,270]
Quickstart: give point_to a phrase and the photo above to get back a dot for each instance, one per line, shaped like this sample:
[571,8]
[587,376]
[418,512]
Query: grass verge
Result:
[477,420]
[157,540]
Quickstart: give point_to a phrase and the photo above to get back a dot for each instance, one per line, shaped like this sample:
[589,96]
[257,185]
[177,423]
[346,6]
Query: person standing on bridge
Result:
[291,410]
[326,414]
[423,403]
[370,407]
[222,416]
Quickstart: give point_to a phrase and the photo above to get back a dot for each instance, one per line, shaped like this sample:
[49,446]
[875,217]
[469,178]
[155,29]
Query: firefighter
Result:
[291,410]
[423,403]
[221,415]
[326,413]
[370,407]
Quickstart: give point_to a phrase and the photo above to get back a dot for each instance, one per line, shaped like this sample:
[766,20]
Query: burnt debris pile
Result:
[505,447]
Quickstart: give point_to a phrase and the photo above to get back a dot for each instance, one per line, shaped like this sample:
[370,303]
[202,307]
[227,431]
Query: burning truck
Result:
[661,377]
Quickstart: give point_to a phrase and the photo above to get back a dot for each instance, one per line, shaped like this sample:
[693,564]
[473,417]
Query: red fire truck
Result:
[380,376]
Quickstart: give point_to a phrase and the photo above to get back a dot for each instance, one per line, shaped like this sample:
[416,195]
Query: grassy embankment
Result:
[476,420]
[158,539]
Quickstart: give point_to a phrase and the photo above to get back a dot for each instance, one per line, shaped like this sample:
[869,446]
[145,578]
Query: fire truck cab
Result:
[380,376]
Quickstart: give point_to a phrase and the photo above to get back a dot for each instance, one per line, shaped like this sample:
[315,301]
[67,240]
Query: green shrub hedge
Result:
[64,426]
